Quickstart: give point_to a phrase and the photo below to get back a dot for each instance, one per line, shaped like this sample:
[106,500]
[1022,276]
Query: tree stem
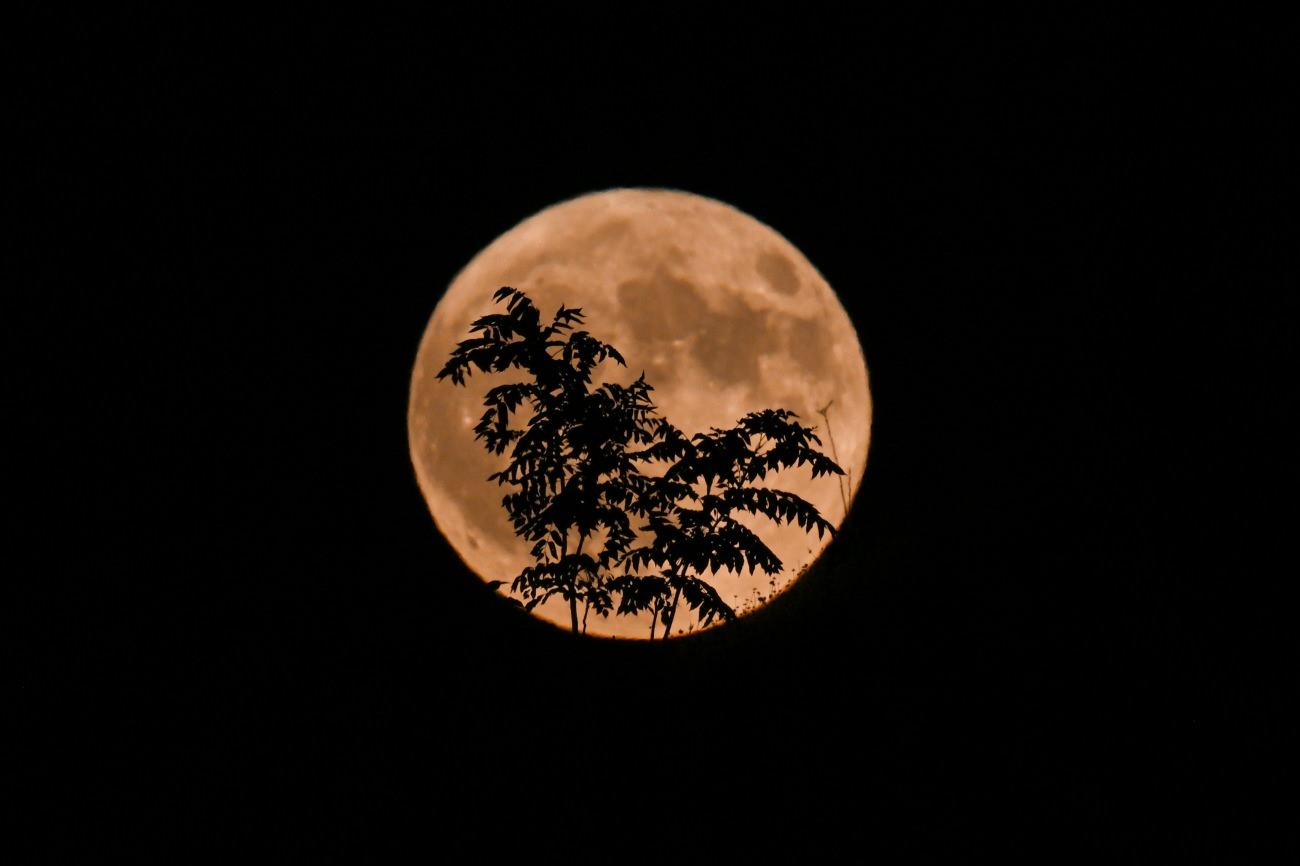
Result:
[573,589]
[671,613]
[573,584]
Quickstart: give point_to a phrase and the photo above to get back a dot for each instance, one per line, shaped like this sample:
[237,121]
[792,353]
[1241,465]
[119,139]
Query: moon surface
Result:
[723,315]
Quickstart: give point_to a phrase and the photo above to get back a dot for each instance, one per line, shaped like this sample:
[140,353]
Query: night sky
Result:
[1066,259]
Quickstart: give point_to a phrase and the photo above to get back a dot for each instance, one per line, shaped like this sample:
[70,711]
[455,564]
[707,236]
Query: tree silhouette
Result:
[575,470]
[693,506]
[569,466]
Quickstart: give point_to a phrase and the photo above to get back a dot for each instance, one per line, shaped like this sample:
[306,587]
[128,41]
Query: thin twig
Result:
[844,498]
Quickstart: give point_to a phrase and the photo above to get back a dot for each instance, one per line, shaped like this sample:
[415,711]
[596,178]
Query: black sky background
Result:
[1068,249]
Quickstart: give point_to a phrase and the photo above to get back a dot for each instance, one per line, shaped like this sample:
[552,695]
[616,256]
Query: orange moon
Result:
[721,312]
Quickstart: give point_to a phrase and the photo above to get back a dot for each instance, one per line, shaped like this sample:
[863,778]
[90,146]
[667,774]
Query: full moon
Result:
[723,315]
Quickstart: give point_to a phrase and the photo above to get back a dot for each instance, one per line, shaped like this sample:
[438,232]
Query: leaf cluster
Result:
[693,528]
[569,469]
[575,475]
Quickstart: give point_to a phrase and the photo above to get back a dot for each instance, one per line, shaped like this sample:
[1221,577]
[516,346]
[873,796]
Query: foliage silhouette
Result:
[692,512]
[576,476]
